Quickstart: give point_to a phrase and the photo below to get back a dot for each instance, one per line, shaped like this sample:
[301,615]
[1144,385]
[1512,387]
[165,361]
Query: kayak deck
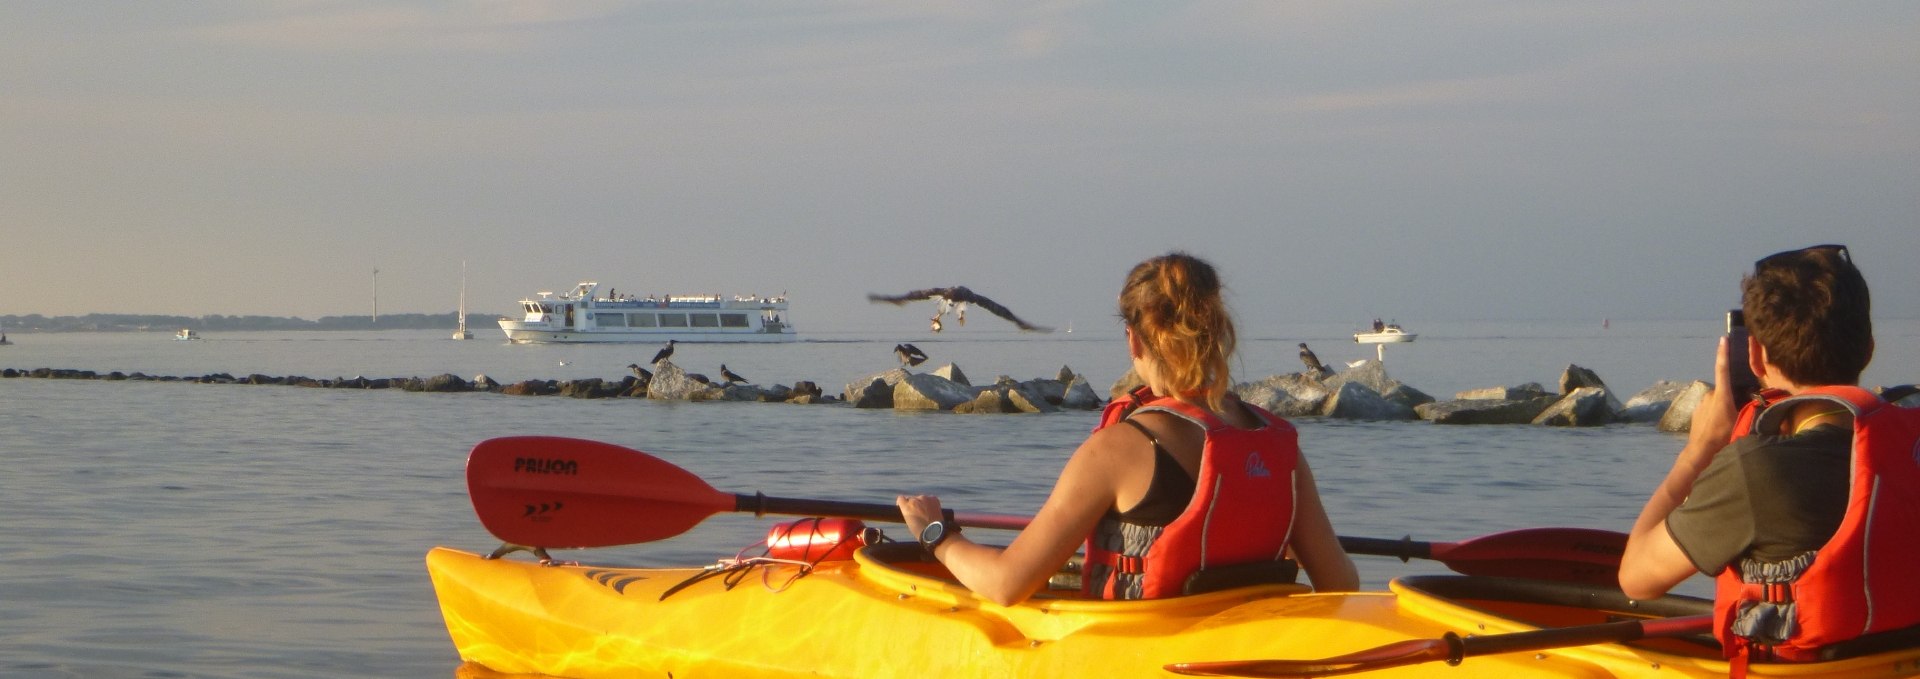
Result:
[881,615]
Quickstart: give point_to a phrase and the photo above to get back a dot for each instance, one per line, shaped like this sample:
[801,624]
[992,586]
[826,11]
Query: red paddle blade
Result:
[1566,554]
[549,491]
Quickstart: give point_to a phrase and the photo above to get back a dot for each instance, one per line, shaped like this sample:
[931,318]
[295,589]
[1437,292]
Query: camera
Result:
[1743,382]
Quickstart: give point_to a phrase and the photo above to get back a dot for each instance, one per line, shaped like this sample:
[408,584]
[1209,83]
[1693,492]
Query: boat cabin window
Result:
[641,320]
[610,320]
[733,320]
[704,320]
[673,320]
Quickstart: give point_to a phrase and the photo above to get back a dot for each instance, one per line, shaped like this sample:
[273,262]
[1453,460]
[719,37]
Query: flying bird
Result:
[1313,362]
[956,299]
[909,355]
[664,353]
[730,376]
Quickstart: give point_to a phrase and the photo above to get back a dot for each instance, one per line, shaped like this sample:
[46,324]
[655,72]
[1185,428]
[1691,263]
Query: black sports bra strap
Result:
[1149,434]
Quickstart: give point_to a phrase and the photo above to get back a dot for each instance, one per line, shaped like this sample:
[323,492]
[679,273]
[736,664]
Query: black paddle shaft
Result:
[761,505]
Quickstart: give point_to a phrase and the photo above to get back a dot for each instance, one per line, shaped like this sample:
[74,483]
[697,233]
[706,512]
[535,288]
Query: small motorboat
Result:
[186,334]
[1391,334]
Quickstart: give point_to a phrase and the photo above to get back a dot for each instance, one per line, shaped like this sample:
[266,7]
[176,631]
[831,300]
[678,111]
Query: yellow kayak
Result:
[885,613]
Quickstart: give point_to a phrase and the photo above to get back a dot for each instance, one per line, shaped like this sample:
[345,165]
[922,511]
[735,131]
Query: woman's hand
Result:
[919,510]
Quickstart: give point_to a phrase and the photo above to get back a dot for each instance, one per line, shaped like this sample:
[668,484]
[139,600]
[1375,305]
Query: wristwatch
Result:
[934,533]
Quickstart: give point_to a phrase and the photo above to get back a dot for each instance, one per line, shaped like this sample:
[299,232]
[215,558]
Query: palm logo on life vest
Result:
[1256,467]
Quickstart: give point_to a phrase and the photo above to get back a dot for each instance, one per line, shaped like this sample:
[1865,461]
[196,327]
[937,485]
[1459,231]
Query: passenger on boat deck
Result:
[1129,492]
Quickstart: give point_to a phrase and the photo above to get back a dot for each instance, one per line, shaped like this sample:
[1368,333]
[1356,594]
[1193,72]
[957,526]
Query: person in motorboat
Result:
[1130,492]
[1780,499]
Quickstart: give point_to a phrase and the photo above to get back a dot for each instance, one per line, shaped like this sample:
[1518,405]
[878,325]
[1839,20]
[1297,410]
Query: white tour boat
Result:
[585,315]
[186,334]
[1391,334]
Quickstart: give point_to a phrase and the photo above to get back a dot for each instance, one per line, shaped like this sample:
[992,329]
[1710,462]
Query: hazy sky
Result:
[1338,160]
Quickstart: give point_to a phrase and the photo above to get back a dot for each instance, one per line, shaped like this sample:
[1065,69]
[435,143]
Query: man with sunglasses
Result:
[1802,503]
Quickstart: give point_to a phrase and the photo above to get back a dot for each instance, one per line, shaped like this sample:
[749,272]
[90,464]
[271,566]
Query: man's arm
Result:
[1653,562]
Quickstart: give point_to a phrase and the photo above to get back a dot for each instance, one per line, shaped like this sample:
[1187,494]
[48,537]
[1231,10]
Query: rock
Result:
[952,373]
[1582,407]
[1530,390]
[670,383]
[1575,377]
[929,392]
[1080,394]
[445,382]
[1024,398]
[807,387]
[1066,375]
[1357,401]
[855,388]
[1679,415]
[989,402]
[877,394]
[805,399]
[258,378]
[776,393]
[746,392]
[591,387]
[1651,402]
[528,388]
[1125,385]
[1289,395]
[483,383]
[1485,410]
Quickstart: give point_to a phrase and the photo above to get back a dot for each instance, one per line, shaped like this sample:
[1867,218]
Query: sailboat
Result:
[461,333]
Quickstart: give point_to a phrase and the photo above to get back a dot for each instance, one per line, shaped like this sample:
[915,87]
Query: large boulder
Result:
[1576,377]
[952,372]
[1679,415]
[989,402]
[1357,401]
[1524,392]
[1373,375]
[929,392]
[1582,407]
[1289,395]
[1485,410]
[1080,394]
[857,387]
[1125,385]
[526,388]
[1652,402]
[877,394]
[670,383]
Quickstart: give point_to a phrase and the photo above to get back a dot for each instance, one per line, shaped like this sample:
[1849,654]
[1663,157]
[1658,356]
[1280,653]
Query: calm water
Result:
[184,530]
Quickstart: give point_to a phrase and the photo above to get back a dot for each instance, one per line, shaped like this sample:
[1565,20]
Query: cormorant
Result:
[640,372]
[664,353]
[1313,362]
[909,355]
[956,299]
[730,376]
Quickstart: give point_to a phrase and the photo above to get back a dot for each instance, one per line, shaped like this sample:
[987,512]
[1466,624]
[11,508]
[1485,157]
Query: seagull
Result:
[664,353]
[1312,361]
[956,299]
[909,355]
[730,376]
[639,371]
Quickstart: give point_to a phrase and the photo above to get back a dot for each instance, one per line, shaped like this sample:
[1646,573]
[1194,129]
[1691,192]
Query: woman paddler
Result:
[1196,491]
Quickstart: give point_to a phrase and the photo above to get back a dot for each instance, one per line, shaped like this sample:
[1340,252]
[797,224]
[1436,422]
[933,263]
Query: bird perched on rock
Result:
[909,355]
[640,372]
[665,352]
[730,376]
[956,299]
[1313,362]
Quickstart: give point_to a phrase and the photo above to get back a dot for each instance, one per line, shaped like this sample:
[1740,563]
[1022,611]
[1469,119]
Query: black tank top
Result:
[1168,494]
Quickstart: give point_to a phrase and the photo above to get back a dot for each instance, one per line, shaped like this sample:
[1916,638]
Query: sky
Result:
[1336,160]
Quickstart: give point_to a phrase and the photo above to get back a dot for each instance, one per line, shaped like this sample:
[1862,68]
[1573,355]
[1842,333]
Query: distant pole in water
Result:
[376,294]
[1605,323]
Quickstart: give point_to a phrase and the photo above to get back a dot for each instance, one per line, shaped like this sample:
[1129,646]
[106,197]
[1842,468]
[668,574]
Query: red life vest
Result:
[1862,580]
[1241,512]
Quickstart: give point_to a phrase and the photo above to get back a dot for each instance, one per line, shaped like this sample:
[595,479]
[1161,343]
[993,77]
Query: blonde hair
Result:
[1173,302]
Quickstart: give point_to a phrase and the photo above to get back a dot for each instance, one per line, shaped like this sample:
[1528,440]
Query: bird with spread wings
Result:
[956,299]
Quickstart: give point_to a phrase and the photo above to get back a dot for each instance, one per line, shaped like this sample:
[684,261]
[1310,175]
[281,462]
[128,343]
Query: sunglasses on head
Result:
[1779,257]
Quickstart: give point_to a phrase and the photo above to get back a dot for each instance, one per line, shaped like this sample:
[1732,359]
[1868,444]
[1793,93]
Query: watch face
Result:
[931,534]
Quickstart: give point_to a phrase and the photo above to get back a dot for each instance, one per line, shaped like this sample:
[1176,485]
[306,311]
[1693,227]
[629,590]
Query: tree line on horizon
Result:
[217,322]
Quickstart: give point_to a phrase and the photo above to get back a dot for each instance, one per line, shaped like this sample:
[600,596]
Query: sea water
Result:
[170,529]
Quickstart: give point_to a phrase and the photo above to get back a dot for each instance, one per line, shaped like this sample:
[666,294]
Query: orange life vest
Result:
[1862,580]
[1241,512]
